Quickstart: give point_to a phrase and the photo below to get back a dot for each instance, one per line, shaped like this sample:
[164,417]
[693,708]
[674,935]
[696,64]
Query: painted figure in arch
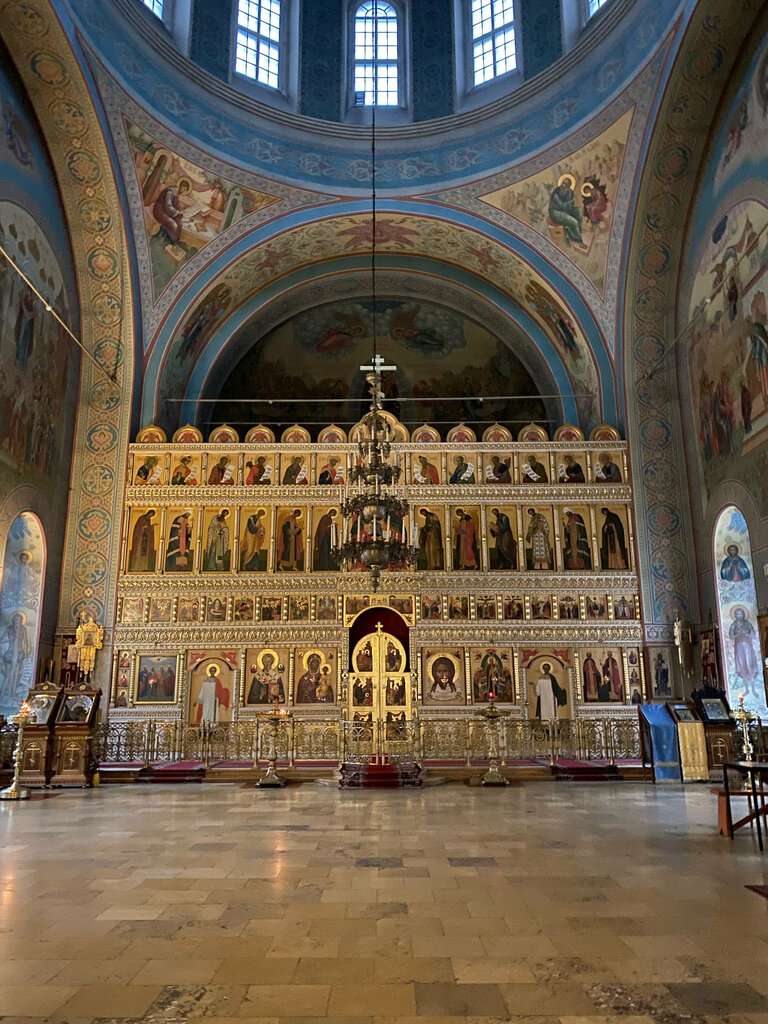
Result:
[296,473]
[613,550]
[178,558]
[150,472]
[142,554]
[290,552]
[576,549]
[217,553]
[743,635]
[550,695]
[253,543]
[661,677]
[734,568]
[464,472]
[498,471]
[591,678]
[184,474]
[259,472]
[168,213]
[564,212]
[465,549]
[306,690]
[537,536]
[612,677]
[431,540]
[506,545]
[326,542]
[443,686]
[15,655]
[212,698]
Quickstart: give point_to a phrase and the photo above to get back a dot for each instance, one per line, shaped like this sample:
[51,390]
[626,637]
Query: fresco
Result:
[728,352]
[21,594]
[185,207]
[35,368]
[439,355]
[737,611]
[401,235]
[742,138]
[572,202]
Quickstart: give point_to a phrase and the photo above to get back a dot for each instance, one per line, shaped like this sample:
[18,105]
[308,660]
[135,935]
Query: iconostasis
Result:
[525,577]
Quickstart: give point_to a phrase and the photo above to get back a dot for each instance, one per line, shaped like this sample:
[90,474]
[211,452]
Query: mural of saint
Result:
[326,542]
[550,695]
[570,471]
[734,568]
[742,634]
[290,545]
[223,473]
[217,549]
[491,678]
[258,472]
[141,557]
[332,472]
[253,556]
[179,554]
[430,541]
[613,550]
[537,536]
[576,549]
[17,650]
[465,551]
[533,471]
[606,470]
[612,678]
[364,660]
[266,680]
[564,211]
[464,472]
[506,545]
[393,660]
[167,210]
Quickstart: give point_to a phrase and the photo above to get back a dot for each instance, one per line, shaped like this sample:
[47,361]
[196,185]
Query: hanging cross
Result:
[378,365]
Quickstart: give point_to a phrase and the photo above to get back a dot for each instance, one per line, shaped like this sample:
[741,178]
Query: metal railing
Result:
[459,741]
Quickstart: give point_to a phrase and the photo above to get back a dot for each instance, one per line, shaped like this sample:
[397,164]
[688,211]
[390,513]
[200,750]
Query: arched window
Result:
[376,54]
[493,39]
[156,6]
[257,43]
[737,610]
[593,6]
[21,598]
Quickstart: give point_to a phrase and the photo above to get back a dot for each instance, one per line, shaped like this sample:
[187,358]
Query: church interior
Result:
[382,449]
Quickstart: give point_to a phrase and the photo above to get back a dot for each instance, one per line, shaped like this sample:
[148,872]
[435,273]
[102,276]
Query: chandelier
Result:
[374,527]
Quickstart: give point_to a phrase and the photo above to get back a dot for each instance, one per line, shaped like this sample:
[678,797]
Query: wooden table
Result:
[753,770]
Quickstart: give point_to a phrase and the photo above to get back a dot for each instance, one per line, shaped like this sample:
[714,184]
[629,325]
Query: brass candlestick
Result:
[492,716]
[15,791]
[275,717]
[744,716]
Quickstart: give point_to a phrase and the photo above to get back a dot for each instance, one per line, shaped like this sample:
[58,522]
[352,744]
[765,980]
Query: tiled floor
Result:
[544,902]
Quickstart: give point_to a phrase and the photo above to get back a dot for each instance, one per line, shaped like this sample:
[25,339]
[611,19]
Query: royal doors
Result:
[380,694]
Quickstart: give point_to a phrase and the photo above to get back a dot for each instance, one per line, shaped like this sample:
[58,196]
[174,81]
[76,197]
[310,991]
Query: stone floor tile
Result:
[718,997]
[372,999]
[36,1000]
[111,1000]
[460,999]
[286,1000]
[487,969]
[408,969]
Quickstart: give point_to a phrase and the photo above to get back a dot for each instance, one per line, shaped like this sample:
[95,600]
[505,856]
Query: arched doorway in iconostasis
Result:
[380,691]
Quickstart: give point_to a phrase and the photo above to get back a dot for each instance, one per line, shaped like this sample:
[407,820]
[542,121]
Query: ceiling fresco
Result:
[211,322]
[444,362]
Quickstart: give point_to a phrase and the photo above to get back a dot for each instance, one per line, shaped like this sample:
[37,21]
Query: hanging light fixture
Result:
[374,527]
